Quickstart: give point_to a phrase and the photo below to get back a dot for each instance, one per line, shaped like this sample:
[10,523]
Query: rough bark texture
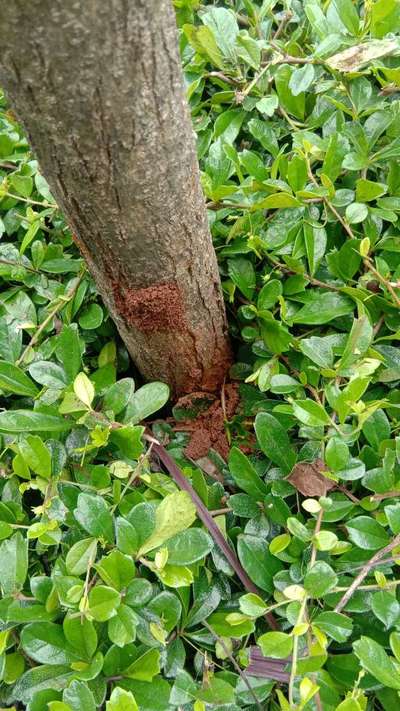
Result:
[98,87]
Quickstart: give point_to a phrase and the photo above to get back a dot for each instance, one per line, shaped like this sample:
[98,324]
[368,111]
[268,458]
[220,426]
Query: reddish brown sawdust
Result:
[208,430]
[210,379]
[153,308]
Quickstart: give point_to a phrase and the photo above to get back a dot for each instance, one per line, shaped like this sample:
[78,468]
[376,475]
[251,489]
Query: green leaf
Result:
[91,318]
[282,384]
[118,395]
[93,515]
[358,342]
[116,569]
[138,593]
[322,307]
[203,606]
[274,441]
[392,512]
[336,454]
[174,514]
[126,535]
[242,273]
[275,336]
[45,642]
[128,440]
[58,706]
[269,295]
[375,660]
[221,626]
[319,350]
[225,29]
[84,389]
[252,605]
[79,556]
[228,125]
[394,641]
[386,608]
[68,351]
[376,429]
[263,133]
[14,380]
[277,645]
[320,579]
[315,240]
[16,421]
[348,15]
[167,607]
[121,700]
[145,401]
[258,562]
[356,212]
[80,634]
[103,603]
[36,455]
[245,475]
[248,50]
[216,692]
[366,533]
[385,17]
[122,627]
[278,200]
[310,413]
[22,184]
[301,79]
[145,667]
[13,564]
[203,41]
[41,678]
[79,696]
[337,626]
[267,105]
[367,190]
[294,105]
[49,374]
[183,690]
[189,546]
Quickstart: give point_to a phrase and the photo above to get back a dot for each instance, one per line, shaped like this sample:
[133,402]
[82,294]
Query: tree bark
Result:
[98,88]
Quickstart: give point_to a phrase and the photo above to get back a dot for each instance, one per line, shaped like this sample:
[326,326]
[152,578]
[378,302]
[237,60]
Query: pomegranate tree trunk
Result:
[98,87]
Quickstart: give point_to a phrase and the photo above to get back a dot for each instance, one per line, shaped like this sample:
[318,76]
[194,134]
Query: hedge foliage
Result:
[118,592]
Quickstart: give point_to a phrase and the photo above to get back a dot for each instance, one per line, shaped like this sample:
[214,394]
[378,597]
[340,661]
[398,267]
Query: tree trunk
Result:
[98,87]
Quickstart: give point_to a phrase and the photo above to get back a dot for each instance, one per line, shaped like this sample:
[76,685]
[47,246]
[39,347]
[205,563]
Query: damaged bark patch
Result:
[153,308]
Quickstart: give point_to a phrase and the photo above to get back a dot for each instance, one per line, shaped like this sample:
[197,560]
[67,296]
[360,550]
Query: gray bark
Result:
[98,87]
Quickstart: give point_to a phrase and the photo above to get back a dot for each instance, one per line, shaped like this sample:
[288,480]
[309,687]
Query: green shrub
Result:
[114,594]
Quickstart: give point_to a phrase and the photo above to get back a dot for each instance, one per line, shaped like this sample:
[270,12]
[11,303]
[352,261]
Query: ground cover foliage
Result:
[117,591]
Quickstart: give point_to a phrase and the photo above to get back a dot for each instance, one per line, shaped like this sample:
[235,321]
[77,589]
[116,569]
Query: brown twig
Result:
[29,201]
[378,325]
[387,495]
[220,512]
[223,77]
[60,303]
[383,281]
[364,572]
[347,493]
[11,263]
[205,516]
[285,19]
[230,656]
